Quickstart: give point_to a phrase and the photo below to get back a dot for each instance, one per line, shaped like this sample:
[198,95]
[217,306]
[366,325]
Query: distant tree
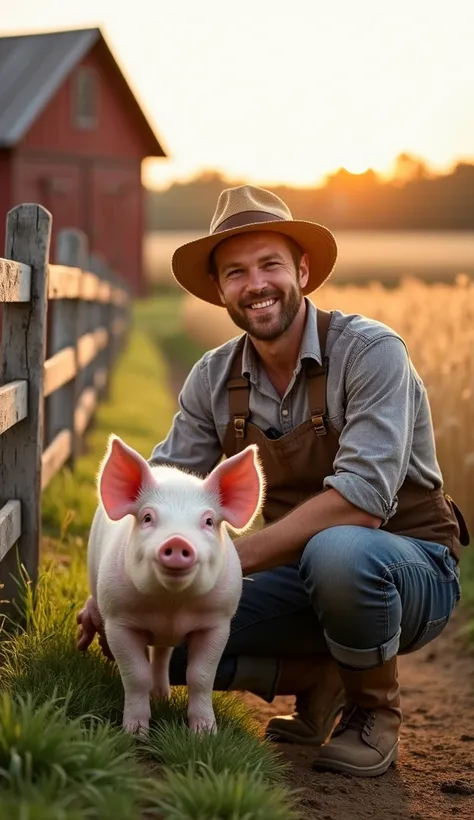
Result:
[413,199]
[408,167]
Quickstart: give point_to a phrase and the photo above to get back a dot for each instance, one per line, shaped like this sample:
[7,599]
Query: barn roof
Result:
[34,66]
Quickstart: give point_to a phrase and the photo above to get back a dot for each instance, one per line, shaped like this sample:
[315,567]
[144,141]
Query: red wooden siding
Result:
[116,135]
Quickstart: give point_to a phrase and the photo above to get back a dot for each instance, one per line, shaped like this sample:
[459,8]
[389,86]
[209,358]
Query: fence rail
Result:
[62,328]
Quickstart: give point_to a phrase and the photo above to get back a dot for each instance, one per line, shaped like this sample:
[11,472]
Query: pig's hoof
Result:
[161,691]
[202,725]
[136,727]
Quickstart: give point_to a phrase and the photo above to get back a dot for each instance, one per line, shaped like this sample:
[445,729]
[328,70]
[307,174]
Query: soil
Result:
[434,776]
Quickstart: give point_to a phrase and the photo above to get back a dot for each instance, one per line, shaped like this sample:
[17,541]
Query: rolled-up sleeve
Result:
[376,440]
[192,442]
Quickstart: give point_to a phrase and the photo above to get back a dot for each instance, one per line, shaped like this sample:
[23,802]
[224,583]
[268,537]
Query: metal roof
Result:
[34,66]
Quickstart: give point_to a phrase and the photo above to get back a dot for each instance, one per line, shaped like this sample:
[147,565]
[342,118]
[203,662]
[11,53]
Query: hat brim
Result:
[190,262]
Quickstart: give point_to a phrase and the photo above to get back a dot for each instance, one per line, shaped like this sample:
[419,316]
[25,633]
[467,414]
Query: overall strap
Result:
[239,387]
[239,393]
[316,375]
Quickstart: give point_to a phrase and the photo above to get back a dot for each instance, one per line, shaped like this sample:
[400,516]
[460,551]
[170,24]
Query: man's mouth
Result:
[262,305]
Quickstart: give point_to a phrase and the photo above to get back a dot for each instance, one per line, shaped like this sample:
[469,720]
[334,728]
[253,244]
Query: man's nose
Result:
[256,279]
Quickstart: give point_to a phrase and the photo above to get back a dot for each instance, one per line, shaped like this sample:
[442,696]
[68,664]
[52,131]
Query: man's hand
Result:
[90,624]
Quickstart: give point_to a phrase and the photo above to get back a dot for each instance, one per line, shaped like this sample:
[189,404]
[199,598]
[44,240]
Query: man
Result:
[358,558]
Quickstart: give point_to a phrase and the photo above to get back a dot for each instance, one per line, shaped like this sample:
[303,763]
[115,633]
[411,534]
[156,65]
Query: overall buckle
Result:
[318,423]
[239,427]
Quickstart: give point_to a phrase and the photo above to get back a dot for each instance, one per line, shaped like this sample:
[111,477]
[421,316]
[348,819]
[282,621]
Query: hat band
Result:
[247,218]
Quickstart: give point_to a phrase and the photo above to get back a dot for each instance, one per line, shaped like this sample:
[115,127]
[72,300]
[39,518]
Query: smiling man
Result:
[358,558]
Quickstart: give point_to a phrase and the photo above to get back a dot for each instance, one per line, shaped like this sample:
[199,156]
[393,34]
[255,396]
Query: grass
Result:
[63,753]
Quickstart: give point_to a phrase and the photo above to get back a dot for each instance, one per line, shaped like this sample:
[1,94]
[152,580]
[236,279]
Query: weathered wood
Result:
[90,344]
[89,286]
[10,526]
[15,281]
[68,320]
[13,404]
[119,297]
[55,456]
[85,410]
[64,282]
[22,357]
[59,370]
[100,379]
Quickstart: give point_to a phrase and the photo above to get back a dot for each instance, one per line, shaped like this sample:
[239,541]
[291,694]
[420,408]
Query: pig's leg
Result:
[160,663]
[129,649]
[205,649]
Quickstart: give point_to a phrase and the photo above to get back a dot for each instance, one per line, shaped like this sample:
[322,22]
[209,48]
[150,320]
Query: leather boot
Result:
[365,742]
[317,704]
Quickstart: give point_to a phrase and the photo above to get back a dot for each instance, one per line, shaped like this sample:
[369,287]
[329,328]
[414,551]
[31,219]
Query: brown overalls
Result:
[296,464]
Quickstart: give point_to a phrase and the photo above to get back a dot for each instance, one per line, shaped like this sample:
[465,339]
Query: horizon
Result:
[286,98]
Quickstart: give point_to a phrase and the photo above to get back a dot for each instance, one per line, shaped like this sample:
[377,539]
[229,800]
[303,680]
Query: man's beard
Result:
[268,328]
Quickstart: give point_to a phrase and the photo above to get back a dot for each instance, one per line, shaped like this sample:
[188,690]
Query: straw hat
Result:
[241,210]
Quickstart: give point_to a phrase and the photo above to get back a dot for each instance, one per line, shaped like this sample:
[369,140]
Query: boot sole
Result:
[329,765]
[289,737]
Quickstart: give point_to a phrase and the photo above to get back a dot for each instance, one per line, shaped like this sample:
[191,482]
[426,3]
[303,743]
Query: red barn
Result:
[72,138]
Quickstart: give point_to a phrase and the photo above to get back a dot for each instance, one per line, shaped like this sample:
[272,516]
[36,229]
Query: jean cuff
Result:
[364,658]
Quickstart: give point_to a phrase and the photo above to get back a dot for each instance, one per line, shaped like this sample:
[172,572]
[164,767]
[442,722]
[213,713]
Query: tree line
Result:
[414,199]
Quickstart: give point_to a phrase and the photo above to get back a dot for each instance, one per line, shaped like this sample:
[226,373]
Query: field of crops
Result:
[437,322]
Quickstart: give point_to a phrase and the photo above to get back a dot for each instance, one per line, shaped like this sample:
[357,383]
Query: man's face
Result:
[259,284]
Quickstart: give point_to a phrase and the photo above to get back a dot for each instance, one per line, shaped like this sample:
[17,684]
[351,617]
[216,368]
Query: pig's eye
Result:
[209,522]
[147,518]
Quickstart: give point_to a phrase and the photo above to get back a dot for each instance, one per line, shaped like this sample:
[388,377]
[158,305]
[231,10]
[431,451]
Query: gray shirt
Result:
[375,399]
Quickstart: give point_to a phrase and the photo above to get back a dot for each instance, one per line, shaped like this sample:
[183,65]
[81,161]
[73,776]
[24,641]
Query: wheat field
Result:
[437,323]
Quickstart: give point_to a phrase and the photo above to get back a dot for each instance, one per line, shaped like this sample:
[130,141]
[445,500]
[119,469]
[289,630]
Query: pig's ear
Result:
[238,483]
[123,473]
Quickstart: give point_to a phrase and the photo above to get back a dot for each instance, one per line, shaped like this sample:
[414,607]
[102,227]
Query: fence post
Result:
[22,356]
[99,318]
[71,250]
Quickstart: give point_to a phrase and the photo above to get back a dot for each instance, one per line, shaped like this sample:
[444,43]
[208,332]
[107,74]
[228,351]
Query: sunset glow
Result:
[276,95]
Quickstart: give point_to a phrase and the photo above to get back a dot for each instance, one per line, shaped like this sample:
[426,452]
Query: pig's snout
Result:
[176,553]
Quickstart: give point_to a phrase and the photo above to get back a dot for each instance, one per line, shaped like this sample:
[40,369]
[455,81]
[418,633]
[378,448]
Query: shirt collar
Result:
[310,347]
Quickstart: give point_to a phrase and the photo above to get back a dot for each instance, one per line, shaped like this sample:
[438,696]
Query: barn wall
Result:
[5,194]
[102,198]
[117,134]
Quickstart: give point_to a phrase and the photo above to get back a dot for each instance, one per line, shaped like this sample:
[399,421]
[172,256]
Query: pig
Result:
[163,570]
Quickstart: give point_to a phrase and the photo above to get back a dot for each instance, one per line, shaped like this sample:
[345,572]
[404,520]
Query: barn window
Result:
[85,98]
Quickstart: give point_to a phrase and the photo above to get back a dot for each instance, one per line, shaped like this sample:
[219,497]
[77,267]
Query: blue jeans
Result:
[364,595]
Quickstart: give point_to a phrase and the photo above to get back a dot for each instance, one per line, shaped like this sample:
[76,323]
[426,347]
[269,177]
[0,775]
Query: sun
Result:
[356,167]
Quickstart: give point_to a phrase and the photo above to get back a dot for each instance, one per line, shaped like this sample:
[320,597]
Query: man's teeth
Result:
[268,303]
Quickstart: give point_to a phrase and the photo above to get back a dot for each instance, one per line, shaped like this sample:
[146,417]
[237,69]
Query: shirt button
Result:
[284,412]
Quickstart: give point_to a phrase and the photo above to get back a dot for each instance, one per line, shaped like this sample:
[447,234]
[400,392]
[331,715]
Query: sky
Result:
[274,91]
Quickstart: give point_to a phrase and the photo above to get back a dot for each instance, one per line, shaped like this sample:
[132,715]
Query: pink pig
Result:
[163,570]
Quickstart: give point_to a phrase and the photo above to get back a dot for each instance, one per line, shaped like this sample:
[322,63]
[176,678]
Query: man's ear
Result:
[303,272]
[215,280]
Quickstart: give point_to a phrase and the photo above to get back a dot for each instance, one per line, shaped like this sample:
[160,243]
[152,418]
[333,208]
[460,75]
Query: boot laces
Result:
[356,717]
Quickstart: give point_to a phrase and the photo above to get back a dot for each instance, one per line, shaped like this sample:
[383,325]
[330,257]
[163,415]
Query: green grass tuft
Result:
[231,748]
[73,765]
[220,796]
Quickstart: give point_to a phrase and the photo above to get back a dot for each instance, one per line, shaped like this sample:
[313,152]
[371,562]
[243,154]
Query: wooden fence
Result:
[62,328]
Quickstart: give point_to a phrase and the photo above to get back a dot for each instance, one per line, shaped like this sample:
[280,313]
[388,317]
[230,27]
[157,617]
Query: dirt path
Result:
[434,777]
